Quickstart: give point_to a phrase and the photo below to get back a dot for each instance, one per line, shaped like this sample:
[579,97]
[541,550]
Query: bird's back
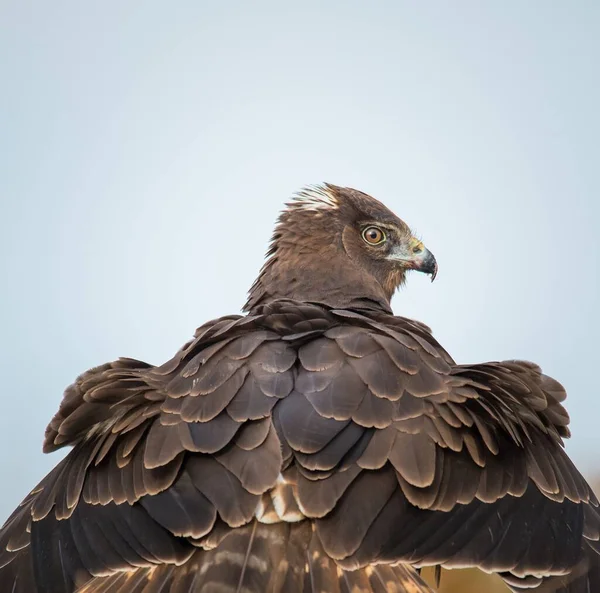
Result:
[300,448]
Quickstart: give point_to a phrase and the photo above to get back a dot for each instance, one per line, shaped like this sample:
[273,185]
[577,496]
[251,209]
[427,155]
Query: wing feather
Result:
[283,450]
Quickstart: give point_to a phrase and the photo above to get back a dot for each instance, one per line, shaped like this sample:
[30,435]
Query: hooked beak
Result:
[416,257]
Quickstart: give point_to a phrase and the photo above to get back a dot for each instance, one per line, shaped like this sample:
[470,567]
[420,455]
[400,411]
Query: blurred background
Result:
[147,148]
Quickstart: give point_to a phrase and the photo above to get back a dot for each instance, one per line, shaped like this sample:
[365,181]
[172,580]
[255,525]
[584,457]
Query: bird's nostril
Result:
[417,249]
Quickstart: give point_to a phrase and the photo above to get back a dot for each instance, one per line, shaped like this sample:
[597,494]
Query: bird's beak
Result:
[415,257]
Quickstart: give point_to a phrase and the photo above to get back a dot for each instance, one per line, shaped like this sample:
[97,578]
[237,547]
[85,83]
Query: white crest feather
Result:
[316,197]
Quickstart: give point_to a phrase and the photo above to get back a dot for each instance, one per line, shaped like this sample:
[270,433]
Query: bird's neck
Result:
[322,278]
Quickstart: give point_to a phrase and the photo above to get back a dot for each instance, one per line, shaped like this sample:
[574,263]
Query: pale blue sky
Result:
[147,148]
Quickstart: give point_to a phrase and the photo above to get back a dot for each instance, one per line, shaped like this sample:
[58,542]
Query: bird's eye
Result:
[373,235]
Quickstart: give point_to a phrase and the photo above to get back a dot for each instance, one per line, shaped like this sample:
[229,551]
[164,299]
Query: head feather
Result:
[316,198]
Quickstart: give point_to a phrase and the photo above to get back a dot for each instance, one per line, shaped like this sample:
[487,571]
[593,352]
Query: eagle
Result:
[315,444]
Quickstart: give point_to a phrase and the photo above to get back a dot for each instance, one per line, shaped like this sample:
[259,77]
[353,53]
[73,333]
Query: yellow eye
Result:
[373,235]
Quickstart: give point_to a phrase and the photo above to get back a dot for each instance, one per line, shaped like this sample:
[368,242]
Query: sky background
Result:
[146,148]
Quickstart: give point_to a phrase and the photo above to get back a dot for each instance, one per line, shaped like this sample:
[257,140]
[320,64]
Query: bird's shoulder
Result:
[289,323]
[363,365]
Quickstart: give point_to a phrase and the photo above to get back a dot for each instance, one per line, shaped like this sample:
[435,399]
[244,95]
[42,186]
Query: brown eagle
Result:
[317,443]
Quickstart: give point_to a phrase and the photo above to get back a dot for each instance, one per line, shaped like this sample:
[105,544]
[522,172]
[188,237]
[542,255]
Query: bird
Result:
[314,443]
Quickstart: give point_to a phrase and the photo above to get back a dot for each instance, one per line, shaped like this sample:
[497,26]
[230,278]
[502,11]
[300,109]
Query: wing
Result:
[239,462]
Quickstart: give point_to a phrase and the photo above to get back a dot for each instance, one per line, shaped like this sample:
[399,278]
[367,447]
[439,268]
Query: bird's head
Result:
[339,246]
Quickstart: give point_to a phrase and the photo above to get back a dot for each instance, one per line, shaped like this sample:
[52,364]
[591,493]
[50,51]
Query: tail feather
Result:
[279,558]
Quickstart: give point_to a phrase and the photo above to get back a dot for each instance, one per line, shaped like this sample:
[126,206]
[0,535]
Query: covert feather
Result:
[317,443]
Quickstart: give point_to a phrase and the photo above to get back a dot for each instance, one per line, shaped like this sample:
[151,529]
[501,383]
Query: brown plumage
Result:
[316,444]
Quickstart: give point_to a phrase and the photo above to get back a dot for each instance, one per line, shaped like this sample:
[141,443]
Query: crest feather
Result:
[316,198]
